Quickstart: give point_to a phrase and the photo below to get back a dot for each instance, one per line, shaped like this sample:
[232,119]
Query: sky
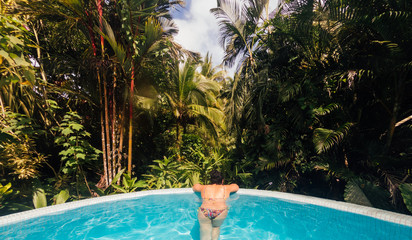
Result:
[199,30]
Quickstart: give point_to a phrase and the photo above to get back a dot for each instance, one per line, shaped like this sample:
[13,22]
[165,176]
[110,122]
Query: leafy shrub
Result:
[166,174]
[18,154]
[77,151]
[127,183]
[40,200]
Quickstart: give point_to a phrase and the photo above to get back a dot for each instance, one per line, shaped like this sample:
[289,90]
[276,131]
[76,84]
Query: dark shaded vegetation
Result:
[96,98]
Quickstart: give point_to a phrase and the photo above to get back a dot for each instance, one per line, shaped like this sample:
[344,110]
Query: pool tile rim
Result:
[384,215]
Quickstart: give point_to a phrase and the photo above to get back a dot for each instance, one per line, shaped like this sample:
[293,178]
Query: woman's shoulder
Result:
[198,187]
[232,187]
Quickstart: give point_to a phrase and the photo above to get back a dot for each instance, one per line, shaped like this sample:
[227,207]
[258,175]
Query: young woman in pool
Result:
[213,210]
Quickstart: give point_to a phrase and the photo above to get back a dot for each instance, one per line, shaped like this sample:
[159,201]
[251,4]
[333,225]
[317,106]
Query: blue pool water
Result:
[174,216]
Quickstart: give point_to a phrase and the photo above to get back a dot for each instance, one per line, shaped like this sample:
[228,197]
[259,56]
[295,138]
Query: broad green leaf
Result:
[362,192]
[61,197]
[119,188]
[71,162]
[66,152]
[67,131]
[118,175]
[13,55]
[76,126]
[81,156]
[73,138]
[141,184]
[39,198]
[125,182]
[355,194]
[406,191]
[5,55]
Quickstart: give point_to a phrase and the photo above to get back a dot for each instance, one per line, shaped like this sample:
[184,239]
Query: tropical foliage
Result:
[312,100]
[97,98]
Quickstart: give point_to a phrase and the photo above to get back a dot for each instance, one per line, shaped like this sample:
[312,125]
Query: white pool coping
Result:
[342,206]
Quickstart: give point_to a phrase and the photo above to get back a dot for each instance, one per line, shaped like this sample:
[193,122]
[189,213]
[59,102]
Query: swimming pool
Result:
[171,214]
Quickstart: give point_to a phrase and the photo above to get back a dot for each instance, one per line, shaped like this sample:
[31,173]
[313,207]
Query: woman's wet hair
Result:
[216,177]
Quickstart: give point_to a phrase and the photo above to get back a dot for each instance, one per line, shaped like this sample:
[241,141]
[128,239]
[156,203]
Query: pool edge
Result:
[55,209]
[384,215]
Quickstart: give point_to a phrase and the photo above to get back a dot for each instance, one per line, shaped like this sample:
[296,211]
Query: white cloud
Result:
[199,29]
[272,5]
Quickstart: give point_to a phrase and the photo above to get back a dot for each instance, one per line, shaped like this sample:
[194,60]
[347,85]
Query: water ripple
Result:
[175,217]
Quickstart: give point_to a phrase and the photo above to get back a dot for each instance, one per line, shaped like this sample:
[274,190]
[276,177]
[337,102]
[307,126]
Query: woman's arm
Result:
[197,187]
[233,187]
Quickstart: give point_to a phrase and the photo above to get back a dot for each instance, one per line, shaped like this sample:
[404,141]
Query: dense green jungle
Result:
[97,98]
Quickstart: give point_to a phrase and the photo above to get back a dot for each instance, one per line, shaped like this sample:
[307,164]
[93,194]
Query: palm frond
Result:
[322,111]
[288,90]
[109,36]
[273,162]
[238,22]
[324,139]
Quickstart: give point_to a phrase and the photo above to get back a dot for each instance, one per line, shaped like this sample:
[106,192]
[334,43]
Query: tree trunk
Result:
[122,128]
[105,175]
[115,150]
[129,160]
[106,120]
[3,110]
[105,126]
[178,141]
[391,128]
[398,94]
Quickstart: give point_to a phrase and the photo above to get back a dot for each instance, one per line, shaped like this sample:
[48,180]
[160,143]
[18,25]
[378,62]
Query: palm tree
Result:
[210,72]
[80,18]
[239,24]
[374,56]
[192,99]
[146,31]
[330,62]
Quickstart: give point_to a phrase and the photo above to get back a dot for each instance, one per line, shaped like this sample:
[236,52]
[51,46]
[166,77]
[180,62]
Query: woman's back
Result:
[214,210]
[214,196]
[214,192]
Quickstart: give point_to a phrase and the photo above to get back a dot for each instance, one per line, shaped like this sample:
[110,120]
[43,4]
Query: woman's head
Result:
[216,177]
